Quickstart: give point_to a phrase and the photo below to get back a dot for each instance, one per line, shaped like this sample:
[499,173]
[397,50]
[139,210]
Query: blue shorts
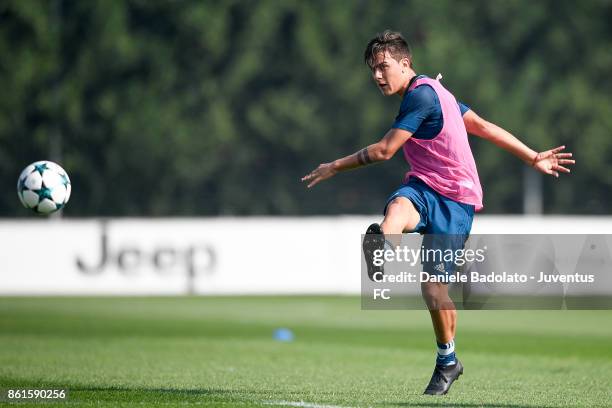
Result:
[446,223]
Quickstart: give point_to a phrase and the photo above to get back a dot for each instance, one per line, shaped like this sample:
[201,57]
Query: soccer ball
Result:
[44,187]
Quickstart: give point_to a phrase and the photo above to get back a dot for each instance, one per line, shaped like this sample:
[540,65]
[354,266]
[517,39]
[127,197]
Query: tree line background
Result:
[162,108]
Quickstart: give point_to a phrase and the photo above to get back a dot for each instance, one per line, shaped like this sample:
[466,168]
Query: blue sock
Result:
[446,353]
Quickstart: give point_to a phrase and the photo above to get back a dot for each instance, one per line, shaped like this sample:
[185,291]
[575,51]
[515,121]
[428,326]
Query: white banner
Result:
[318,255]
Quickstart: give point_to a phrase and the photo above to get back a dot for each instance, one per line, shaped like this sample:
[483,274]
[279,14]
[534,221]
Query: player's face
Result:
[390,75]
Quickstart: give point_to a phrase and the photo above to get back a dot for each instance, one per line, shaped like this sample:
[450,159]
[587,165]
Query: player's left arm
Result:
[377,152]
[548,162]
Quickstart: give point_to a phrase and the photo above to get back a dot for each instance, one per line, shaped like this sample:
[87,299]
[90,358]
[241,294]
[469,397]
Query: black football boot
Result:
[373,240]
[443,377]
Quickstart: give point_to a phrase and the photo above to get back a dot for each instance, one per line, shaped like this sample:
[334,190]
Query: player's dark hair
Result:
[391,41]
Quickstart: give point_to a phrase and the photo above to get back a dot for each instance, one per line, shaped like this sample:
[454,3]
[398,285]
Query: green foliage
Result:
[205,108]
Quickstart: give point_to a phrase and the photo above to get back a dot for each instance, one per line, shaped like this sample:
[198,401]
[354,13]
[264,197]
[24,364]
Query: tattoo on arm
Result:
[363,157]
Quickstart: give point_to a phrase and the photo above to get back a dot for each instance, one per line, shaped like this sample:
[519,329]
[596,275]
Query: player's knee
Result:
[392,222]
[431,299]
[401,216]
[435,296]
[436,303]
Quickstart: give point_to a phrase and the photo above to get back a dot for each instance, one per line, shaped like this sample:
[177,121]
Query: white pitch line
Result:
[303,404]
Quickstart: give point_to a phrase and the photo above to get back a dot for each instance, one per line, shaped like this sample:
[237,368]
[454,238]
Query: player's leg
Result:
[401,215]
[450,224]
[444,319]
[442,310]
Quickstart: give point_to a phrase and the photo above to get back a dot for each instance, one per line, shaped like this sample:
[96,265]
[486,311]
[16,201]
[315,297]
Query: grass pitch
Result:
[219,351]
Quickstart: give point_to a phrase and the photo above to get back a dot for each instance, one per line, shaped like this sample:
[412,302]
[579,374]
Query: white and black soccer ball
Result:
[44,187]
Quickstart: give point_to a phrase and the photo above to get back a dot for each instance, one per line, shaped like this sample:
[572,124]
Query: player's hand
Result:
[323,172]
[551,161]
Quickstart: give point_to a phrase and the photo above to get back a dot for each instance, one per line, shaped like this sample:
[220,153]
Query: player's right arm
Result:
[377,152]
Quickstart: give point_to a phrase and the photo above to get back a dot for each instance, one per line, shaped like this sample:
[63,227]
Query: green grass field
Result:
[220,352]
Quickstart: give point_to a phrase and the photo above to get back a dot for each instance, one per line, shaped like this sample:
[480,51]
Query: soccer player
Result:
[442,190]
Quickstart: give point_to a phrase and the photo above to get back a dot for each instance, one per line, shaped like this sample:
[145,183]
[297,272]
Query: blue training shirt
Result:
[421,113]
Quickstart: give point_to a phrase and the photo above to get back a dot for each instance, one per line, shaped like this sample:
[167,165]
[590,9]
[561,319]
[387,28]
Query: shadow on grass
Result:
[443,404]
[155,395]
[117,389]
[145,394]
[141,394]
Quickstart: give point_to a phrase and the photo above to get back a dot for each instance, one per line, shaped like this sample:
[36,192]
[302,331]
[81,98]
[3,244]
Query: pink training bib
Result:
[445,163]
